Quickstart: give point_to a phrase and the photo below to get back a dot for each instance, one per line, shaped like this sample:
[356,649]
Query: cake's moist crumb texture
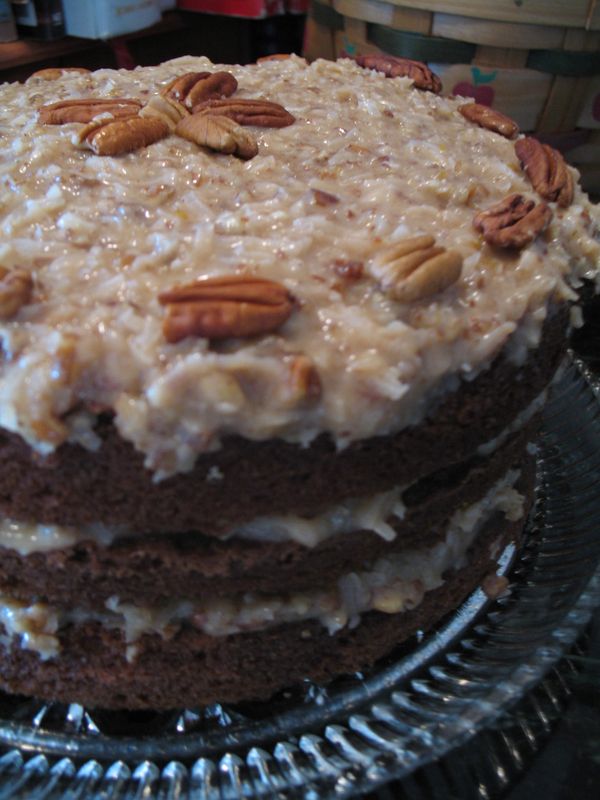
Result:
[274,340]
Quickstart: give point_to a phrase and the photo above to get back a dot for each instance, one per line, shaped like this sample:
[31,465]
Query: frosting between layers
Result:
[103,236]
[392,584]
[375,513]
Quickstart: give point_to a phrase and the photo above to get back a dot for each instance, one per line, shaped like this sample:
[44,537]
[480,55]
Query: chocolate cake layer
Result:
[75,486]
[150,570]
[192,668]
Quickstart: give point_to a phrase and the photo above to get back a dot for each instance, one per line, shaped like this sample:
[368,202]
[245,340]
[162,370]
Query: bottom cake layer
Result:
[191,667]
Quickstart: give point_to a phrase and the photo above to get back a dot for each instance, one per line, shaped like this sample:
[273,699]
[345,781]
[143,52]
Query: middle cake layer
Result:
[149,570]
[392,583]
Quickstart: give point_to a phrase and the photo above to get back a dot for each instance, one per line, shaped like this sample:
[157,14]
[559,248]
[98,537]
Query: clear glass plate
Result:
[367,729]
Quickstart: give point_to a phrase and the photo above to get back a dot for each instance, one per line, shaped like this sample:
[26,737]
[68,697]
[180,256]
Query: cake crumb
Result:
[576,316]
[494,586]
[214,474]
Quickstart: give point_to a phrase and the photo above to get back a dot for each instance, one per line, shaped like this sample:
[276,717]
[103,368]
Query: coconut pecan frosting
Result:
[345,217]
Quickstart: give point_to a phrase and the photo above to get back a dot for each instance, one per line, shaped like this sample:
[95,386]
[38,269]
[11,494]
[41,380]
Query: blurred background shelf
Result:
[29,51]
[223,39]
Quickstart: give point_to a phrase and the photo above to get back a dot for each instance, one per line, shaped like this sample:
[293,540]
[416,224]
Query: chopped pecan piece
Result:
[547,170]
[416,269]
[305,383]
[65,370]
[489,118]
[349,270]
[218,133]
[394,67]
[85,109]
[194,87]
[165,108]
[50,430]
[16,287]
[261,113]
[325,198]
[54,73]
[116,137]
[513,222]
[222,307]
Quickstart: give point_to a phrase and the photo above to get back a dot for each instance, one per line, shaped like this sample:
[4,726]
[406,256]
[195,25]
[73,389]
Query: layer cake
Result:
[275,340]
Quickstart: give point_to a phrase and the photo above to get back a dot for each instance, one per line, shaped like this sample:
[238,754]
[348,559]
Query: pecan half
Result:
[547,170]
[54,73]
[513,222]
[165,108]
[394,67]
[116,137]
[262,113]
[222,307]
[194,87]
[489,118]
[85,109]
[416,269]
[16,287]
[218,133]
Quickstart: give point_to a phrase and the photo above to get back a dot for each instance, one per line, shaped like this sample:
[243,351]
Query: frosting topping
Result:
[368,163]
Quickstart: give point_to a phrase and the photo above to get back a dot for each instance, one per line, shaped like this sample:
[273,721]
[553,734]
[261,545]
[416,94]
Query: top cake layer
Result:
[323,209]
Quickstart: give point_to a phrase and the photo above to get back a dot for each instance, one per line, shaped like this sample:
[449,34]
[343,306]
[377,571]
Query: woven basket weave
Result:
[537,61]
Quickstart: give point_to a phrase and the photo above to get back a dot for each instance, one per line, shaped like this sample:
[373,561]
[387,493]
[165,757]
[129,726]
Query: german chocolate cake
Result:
[275,340]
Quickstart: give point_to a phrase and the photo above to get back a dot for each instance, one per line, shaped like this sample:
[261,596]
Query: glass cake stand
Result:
[410,711]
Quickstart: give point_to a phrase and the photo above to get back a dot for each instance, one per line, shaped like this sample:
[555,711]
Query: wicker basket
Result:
[548,80]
